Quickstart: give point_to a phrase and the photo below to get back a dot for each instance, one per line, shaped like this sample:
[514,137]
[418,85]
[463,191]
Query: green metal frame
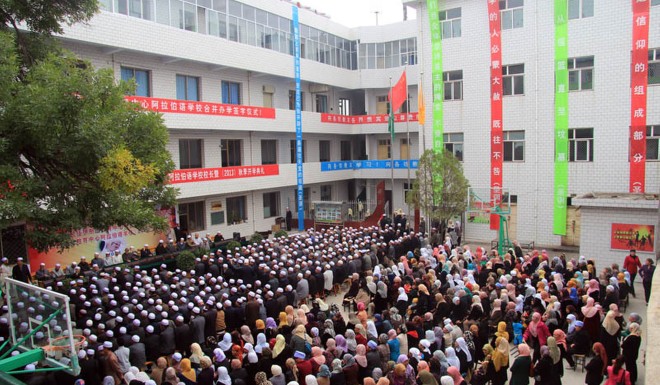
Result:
[503,233]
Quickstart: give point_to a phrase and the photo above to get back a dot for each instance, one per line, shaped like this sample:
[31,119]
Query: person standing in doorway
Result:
[647,278]
[288,218]
[631,264]
[21,272]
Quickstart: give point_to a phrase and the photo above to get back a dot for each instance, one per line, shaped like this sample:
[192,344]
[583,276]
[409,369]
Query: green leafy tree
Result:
[440,188]
[73,152]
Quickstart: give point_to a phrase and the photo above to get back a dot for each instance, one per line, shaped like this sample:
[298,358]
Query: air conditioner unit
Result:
[268,89]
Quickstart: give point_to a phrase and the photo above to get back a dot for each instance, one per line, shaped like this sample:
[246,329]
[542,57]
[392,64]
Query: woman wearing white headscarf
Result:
[371,330]
[450,353]
[223,376]
[226,343]
[261,343]
[464,356]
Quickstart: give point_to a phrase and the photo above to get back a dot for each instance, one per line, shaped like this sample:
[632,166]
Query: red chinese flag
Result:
[399,93]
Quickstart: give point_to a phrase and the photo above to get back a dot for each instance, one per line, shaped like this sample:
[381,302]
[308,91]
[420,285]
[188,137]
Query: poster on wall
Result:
[632,236]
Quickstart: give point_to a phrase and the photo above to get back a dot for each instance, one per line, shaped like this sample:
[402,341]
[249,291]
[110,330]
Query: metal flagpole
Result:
[391,111]
[405,70]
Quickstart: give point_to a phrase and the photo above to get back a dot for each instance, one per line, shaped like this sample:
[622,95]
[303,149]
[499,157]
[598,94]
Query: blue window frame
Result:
[187,87]
[231,92]
[141,78]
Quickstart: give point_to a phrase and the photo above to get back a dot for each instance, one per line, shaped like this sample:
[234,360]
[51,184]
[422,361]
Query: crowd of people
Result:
[417,310]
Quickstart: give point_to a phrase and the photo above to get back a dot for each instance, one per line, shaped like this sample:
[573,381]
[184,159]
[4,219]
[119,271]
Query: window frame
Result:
[573,68]
[292,100]
[321,103]
[229,159]
[344,105]
[187,79]
[510,144]
[454,85]
[324,190]
[343,149]
[199,209]
[580,9]
[654,60]
[573,149]
[273,198]
[514,77]
[134,70]
[228,89]
[189,165]
[385,142]
[323,149]
[653,134]
[232,218]
[292,144]
[274,143]
[447,20]
[506,8]
[454,142]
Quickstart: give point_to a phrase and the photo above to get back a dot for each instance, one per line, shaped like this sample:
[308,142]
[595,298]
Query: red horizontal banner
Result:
[175,106]
[366,119]
[632,236]
[220,173]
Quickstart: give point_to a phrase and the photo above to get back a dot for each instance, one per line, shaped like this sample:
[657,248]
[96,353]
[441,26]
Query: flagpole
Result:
[405,70]
[391,112]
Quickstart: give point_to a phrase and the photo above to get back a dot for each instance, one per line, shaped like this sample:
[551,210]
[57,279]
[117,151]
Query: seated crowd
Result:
[416,311]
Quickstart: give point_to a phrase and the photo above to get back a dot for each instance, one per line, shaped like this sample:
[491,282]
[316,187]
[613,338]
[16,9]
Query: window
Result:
[191,216]
[655,2]
[344,106]
[269,151]
[511,13]
[231,92]
[142,9]
[384,149]
[513,79]
[321,103]
[652,142]
[271,204]
[389,54]
[190,153]
[187,87]
[581,73]
[292,100]
[231,152]
[236,209]
[578,9]
[326,192]
[324,150]
[404,149]
[581,144]
[451,23]
[294,159]
[454,144]
[141,78]
[268,99]
[654,65]
[514,146]
[453,81]
[346,150]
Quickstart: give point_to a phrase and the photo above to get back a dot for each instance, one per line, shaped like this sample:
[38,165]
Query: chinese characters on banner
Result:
[638,88]
[221,173]
[366,119]
[627,236]
[299,139]
[436,74]
[176,106]
[561,118]
[496,133]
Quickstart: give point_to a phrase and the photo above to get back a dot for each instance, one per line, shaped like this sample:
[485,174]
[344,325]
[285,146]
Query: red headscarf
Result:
[600,350]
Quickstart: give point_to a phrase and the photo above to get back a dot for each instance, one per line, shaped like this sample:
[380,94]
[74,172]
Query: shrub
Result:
[185,261]
[256,238]
[281,233]
[232,245]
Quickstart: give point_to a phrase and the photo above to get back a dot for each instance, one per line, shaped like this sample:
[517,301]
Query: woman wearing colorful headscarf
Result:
[187,374]
[560,338]
[609,335]
[350,370]
[591,320]
[536,335]
[500,359]
[424,375]
[544,372]
[597,367]
[555,354]
[520,367]
[630,349]
[456,376]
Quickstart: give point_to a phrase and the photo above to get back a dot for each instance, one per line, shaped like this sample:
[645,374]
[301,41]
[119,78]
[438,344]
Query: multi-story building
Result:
[206,55]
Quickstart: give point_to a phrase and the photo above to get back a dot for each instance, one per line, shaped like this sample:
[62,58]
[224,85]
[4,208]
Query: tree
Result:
[440,188]
[73,152]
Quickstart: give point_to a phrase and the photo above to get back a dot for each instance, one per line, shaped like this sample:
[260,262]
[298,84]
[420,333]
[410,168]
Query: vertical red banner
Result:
[638,89]
[496,94]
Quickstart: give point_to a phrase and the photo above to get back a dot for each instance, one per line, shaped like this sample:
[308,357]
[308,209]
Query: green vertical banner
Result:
[561,118]
[436,73]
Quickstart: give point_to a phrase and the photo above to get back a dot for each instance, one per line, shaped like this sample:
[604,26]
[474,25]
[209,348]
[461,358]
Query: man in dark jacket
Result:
[167,338]
[21,272]
[152,344]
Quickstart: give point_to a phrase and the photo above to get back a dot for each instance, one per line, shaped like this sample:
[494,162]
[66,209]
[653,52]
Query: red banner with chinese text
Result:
[366,119]
[638,90]
[220,173]
[627,236]
[176,106]
[496,133]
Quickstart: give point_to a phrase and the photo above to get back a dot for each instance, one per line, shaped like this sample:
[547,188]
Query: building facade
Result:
[211,56]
